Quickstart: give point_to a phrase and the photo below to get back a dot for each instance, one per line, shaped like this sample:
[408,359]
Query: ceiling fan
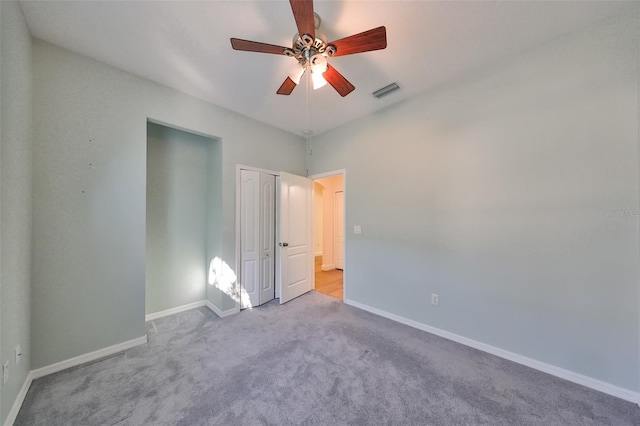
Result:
[312,52]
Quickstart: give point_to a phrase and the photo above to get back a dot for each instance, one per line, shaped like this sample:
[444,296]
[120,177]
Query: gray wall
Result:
[16,142]
[177,219]
[89,195]
[503,193]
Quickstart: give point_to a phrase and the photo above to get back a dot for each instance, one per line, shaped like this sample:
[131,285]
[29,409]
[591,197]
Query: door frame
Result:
[342,172]
[335,262]
[238,217]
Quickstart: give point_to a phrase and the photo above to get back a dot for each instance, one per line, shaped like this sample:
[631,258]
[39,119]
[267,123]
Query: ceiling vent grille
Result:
[386,90]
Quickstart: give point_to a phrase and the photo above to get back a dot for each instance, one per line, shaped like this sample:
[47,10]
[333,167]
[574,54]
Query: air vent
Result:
[385,90]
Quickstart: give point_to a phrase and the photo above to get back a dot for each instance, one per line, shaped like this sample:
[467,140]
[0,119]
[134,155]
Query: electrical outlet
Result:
[18,354]
[435,299]
[5,372]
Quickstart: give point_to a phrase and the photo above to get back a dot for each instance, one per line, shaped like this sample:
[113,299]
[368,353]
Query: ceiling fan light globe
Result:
[319,44]
[318,64]
[307,40]
[318,80]
[296,76]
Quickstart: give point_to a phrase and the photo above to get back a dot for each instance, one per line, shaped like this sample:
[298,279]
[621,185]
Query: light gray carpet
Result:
[311,361]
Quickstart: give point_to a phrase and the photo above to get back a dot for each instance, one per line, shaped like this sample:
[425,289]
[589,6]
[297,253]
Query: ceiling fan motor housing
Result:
[305,47]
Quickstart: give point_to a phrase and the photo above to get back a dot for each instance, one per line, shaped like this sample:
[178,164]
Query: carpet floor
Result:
[311,361]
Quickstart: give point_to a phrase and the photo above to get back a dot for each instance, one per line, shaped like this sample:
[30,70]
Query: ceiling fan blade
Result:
[256,46]
[303,14]
[337,80]
[367,41]
[287,87]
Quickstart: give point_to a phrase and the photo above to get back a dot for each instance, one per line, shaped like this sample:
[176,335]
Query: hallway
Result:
[328,282]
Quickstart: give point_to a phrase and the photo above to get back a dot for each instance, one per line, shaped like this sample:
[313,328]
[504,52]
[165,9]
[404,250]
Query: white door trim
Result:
[329,174]
[338,254]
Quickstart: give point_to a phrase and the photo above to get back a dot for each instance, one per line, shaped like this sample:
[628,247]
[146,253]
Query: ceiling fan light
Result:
[297,75]
[318,80]
[318,64]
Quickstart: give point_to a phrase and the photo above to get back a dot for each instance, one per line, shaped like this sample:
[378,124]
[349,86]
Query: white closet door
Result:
[249,238]
[267,236]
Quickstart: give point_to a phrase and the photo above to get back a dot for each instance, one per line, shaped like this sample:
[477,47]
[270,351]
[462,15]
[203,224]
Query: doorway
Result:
[329,215]
[180,188]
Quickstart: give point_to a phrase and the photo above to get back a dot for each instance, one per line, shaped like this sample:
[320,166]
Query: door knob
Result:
[284,244]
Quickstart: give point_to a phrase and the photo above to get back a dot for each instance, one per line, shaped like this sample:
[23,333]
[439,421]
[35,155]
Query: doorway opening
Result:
[329,213]
[181,208]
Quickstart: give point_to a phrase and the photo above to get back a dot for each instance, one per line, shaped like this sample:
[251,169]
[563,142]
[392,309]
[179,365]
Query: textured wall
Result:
[89,195]
[16,143]
[514,195]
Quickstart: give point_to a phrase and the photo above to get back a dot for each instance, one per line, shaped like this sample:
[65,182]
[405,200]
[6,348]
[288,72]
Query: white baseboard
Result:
[571,376]
[63,365]
[218,312]
[318,253]
[190,306]
[101,353]
[177,310]
[17,404]
[328,267]
[91,356]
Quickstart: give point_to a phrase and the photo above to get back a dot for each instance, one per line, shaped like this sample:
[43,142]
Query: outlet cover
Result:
[435,299]
[18,354]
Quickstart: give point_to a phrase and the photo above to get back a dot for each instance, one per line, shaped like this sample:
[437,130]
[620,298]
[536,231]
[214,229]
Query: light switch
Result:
[357,229]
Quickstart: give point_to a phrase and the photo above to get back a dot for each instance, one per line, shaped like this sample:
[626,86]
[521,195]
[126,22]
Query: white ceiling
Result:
[185,45]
